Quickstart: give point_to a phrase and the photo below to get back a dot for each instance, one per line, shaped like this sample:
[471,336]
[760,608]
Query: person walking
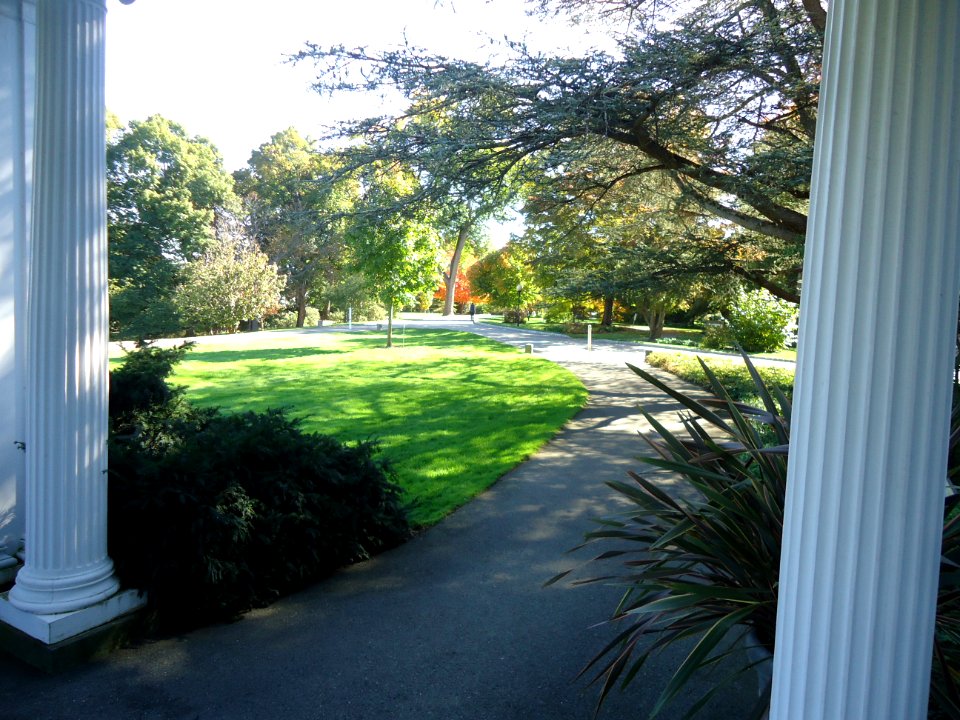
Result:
[473,313]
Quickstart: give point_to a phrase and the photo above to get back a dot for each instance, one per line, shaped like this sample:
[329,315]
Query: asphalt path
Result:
[453,625]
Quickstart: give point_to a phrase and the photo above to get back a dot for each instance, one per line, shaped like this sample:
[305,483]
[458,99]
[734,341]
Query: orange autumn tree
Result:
[463,294]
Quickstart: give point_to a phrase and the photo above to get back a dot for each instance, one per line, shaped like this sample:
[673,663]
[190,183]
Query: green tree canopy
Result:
[296,203]
[636,244]
[506,277]
[460,199]
[720,96]
[164,190]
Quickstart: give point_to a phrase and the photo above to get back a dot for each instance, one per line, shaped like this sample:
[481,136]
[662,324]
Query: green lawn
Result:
[453,411]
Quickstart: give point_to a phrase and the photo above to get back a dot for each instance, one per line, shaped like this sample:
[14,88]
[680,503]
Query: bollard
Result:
[350,319]
[589,337]
[528,349]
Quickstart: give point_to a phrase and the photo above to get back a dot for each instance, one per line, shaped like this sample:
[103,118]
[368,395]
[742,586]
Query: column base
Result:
[52,629]
[55,643]
[58,592]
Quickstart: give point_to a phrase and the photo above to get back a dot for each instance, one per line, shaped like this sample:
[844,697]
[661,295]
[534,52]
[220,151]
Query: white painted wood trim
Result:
[66,564]
[859,569]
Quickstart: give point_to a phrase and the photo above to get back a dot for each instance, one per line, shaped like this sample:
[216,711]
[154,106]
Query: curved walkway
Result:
[454,625]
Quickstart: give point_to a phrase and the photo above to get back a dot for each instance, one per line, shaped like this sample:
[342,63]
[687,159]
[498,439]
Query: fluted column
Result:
[66,566]
[859,569]
[16,130]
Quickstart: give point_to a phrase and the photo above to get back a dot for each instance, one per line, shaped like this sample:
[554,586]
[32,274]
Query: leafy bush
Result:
[364,310]
[514,317]
[230,283]
[558,311]
[717,334]
[705,565]
[758,321]
[288,319]
[230,512]
[422,301]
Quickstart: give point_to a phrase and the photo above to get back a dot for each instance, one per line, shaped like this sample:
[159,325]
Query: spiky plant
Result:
[702,565]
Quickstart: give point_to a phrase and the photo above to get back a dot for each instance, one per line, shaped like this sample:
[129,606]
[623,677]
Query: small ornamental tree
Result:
[230,283]
[398,254]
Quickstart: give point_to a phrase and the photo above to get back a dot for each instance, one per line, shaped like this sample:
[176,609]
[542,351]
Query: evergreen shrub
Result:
[229,512]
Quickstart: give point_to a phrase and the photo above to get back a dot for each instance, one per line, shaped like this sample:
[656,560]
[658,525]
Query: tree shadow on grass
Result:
[458,420]
[448,339]
[218,356]
[417,337]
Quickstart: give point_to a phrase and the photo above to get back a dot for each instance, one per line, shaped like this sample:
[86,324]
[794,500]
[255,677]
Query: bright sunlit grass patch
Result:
[453,411]
[732,374]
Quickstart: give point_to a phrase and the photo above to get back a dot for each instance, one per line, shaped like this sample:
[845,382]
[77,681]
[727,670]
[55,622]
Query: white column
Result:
[66,566]
[859,569]
[16,126]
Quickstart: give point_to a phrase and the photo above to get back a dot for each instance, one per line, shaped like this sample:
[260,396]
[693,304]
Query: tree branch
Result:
[757,279]
[817,15]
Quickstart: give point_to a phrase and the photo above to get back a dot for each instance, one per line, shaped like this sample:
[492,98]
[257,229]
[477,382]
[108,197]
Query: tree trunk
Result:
[607,319]
[655,321]
[450,277]
[390,325]
[301,299]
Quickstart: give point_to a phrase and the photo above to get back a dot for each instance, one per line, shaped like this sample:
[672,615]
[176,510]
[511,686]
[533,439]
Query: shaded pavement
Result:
[453,625]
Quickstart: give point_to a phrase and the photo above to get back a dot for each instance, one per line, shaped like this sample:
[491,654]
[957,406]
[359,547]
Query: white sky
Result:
[217,66]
